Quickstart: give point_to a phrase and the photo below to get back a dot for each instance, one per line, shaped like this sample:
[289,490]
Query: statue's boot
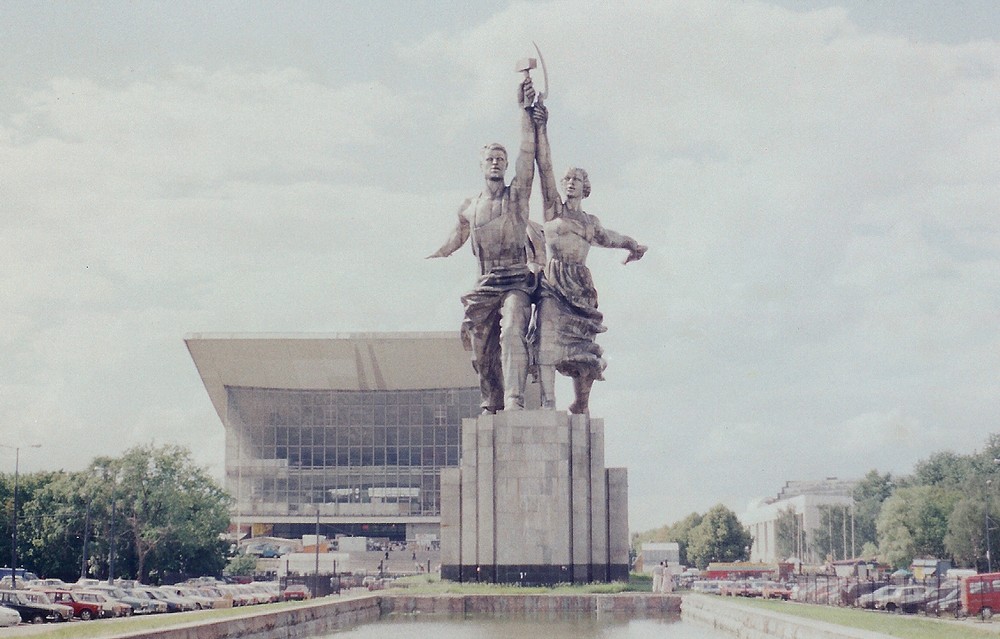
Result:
[581,386]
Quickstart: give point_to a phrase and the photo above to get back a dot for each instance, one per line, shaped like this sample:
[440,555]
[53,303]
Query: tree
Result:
[28,485]
[966,536]
[168,505]
[152,509]
[719,537]
[945,469]
[787,534]
[913,522]
[241,566]
[869,495]
[679,531]
[832,537]
[55,521]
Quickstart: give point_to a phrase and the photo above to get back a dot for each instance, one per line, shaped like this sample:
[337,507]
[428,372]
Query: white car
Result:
[9,617]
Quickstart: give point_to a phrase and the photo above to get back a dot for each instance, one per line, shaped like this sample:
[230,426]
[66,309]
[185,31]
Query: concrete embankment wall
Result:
[745,622]
[316,618]
[633,605]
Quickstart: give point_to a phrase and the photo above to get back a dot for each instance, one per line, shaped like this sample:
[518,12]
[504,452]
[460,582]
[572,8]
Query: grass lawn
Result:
[904,626]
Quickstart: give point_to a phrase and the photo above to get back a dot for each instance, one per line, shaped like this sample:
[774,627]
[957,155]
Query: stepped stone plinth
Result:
[532,502]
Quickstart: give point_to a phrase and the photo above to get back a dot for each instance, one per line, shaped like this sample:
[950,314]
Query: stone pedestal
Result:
[532,502]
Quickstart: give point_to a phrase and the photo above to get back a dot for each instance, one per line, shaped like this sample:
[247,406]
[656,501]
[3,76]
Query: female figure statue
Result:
[568,320]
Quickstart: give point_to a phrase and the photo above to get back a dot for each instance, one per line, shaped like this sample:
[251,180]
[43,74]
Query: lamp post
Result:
[13,516]
[986,510]
[986,517]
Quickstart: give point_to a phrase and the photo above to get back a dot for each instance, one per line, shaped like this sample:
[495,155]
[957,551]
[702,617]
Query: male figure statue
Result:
[498,310]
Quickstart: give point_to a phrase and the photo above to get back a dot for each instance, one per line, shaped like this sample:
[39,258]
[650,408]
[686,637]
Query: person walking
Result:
[667,582]
[658,577]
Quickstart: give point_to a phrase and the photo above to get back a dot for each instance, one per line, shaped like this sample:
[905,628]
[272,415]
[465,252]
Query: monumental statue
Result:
[567,317]
[531,501]
[498,310]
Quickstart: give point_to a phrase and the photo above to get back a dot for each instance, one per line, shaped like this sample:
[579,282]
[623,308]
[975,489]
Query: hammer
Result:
[525,65]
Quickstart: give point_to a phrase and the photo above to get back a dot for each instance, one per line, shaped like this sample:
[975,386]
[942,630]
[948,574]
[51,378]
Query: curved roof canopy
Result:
[329,361]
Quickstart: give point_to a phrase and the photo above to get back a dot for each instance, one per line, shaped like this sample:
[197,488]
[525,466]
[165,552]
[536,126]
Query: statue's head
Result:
[494,161]
[576,178]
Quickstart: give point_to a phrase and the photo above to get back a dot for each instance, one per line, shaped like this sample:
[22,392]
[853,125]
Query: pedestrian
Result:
[657,577]
[667,584]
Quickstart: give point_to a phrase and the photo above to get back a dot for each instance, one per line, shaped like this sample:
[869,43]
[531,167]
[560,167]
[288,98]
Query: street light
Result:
[986,510]
[13,517]
[989,559]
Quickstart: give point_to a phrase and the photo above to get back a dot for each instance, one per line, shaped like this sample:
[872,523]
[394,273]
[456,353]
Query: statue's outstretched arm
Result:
[524,166]
[543,155]
[458,235]
[612,239]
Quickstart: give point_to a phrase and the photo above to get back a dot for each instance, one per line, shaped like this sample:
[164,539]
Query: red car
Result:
[85,610]
[295,592]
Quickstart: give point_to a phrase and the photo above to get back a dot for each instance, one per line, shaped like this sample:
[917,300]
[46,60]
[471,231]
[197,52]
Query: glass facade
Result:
[343,453]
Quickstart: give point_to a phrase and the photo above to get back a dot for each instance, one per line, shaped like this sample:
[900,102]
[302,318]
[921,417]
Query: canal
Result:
[583,626]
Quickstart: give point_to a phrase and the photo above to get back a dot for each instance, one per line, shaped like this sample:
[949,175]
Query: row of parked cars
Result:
[873,595]
[912,598]
[52,600]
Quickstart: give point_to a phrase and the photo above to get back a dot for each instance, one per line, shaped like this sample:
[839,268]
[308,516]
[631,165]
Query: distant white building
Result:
[653,553]
[804,498]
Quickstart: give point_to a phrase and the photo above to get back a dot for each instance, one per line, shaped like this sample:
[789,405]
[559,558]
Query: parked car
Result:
[200,602]
[216,597]
[776,590]
[35,607]
[9,617]
[903,599]
[296,592]
[165,594]
[868,600]
[263,550]
[57,584]
[109,607]
[117,593]
[269,589]
[943,600]
[374,583]
[859,589]
[7,577]
[708,586]
[233,591]
[84,610]
[147,603]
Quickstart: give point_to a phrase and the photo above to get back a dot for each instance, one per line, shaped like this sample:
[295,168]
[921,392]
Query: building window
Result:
[362,452]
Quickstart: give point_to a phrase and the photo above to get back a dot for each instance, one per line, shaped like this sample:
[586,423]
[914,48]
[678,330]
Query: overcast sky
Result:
[818,183]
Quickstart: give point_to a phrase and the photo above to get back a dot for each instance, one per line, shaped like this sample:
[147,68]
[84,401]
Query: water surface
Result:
[496,627]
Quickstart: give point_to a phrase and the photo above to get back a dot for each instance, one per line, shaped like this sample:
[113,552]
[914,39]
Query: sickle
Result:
[545,74]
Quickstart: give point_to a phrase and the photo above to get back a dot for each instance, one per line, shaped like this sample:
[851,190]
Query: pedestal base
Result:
[532,502]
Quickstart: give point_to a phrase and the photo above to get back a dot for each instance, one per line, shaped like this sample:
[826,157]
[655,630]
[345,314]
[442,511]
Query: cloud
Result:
[819,201]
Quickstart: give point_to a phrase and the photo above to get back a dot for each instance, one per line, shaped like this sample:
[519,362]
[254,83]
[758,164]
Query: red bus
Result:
[980,594]
[746,570]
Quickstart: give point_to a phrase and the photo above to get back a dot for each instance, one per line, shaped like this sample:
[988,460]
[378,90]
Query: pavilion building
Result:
[344,431]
